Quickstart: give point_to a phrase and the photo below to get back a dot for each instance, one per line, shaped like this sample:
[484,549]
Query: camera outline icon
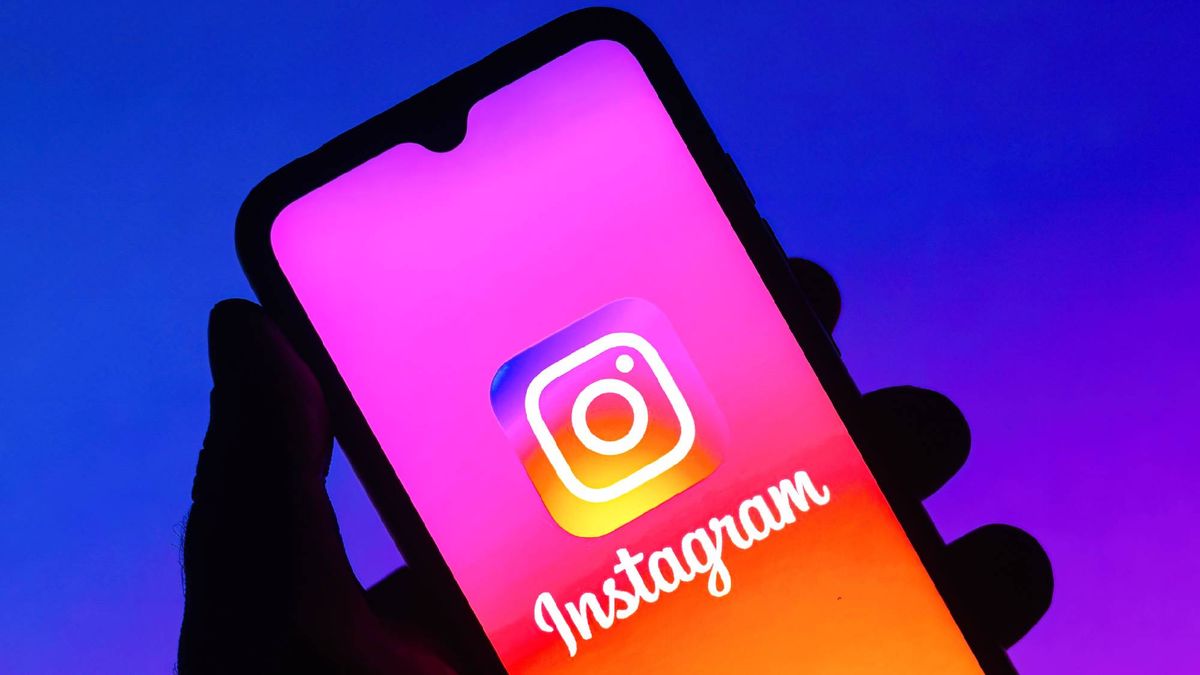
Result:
[645,473]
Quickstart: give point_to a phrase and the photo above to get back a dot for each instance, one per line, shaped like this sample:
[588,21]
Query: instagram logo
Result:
[609,417]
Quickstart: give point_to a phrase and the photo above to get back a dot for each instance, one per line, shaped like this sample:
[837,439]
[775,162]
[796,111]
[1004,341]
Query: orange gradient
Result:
[838,591]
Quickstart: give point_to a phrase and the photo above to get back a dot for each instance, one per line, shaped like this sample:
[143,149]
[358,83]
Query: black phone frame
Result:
[436,118]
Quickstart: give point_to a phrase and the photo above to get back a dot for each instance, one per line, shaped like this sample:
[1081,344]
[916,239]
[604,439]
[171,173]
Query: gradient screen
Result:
[593,402]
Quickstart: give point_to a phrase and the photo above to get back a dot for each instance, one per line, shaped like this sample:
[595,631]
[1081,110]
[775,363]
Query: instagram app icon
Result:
[609,417]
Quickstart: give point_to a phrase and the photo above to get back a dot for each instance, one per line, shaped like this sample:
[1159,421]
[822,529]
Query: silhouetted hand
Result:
[996,577]
[269,588]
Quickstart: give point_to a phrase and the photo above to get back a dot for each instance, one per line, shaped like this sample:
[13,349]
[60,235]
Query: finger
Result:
[820,290]
[918,435]
[1001,578]
[997,577]
[239,540]
[268,417]
[268,586]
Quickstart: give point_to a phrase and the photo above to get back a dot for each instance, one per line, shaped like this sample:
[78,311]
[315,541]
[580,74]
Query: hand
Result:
[268,585]
[997,577]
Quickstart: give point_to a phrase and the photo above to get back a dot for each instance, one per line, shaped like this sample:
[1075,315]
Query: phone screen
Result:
[595,405]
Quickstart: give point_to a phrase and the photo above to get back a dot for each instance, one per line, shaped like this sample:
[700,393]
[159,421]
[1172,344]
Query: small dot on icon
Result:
[624,363]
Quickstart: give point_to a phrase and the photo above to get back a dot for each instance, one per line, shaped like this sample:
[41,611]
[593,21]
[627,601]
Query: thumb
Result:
[268,587]
[269,427]
[257,498]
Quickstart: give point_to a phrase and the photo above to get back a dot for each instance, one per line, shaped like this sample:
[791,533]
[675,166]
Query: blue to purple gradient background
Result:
[1007,195]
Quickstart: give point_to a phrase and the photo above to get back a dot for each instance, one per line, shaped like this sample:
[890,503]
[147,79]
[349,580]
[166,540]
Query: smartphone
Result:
[568,361]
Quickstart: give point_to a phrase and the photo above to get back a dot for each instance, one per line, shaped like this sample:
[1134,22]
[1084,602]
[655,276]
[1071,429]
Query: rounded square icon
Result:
[609,417]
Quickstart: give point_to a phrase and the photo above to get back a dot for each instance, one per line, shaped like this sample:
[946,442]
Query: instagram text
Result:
[699,554]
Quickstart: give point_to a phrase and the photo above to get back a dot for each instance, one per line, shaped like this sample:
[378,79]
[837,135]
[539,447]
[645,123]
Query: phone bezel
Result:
[436,118]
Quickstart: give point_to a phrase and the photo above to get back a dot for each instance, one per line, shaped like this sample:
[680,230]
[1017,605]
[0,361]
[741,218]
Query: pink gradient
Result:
[424,272]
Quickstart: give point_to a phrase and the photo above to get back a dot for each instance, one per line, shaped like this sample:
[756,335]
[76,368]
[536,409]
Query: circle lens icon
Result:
[641,416]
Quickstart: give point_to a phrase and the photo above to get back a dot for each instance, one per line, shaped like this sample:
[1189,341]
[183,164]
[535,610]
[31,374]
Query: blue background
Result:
[1007,193]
